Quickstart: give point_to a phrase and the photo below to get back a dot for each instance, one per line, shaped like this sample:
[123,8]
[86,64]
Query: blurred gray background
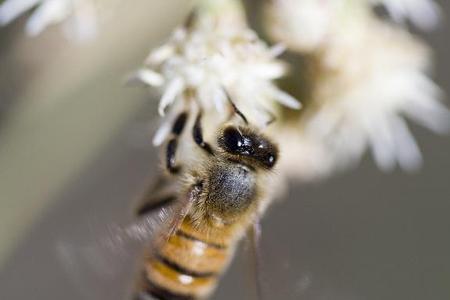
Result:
[75,152]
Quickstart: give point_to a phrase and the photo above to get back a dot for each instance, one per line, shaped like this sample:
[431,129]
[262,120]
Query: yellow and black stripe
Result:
[187,266]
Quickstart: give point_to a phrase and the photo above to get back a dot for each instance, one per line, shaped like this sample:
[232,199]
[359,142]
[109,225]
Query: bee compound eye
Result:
[271,159]
[232,140]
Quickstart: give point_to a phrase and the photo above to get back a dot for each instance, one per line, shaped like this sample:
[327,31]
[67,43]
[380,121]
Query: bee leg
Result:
[160,202]
[184,206]
[160,193]
[197,134]
[255,257]
[172,145]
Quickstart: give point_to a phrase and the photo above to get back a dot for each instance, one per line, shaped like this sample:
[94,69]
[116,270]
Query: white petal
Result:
[262,116]
[159,55]
[11,9]
[173,89]
[267,71]
[431,114]
[286,99]
[396,10]
[147,76]
[382,144]
[162,133]
[220,99]
[277,50]
[50,12]
[426,14]
[424,106]
[407,151]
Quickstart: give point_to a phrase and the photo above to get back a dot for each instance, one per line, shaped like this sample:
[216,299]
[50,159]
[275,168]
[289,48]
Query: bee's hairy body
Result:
[229,186]
[188,265]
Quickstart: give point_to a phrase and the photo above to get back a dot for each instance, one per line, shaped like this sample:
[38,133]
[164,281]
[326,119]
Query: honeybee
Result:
[190,222]
[220,200]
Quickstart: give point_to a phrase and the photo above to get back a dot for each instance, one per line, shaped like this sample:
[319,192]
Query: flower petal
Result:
[11,9]
[172,91]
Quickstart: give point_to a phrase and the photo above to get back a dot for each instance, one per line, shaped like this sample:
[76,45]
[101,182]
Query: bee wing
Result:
[160,193]
[96,265]
[271,278]
[108,259]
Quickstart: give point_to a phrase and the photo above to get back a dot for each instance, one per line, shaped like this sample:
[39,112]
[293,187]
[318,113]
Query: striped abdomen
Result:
[188,265]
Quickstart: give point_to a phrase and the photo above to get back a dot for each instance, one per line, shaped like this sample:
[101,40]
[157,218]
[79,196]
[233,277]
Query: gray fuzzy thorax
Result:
[232,188]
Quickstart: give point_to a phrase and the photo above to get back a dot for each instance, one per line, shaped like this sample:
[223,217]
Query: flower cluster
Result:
[219,60]
[368,75]
[79,16]
[306,25]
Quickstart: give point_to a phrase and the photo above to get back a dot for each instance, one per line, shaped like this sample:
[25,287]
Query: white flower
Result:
[215,57]
[371,115]
[423,13]
[369,75]
[307,25]
[301,24]
[79,15]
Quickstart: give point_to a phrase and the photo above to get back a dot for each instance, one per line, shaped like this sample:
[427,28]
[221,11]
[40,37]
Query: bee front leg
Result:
[172,145]
[197,134]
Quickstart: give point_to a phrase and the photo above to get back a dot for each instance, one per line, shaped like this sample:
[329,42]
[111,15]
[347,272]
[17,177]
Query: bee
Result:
[221,197]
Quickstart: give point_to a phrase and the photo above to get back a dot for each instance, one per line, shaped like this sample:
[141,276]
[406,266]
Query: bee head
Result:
[247,144]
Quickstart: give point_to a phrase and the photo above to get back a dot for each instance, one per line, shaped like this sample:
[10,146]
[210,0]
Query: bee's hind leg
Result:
[160,202]
[255,258]
[160,193]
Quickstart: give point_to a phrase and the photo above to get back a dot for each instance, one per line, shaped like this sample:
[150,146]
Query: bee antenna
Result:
[271,115]
[236,110]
